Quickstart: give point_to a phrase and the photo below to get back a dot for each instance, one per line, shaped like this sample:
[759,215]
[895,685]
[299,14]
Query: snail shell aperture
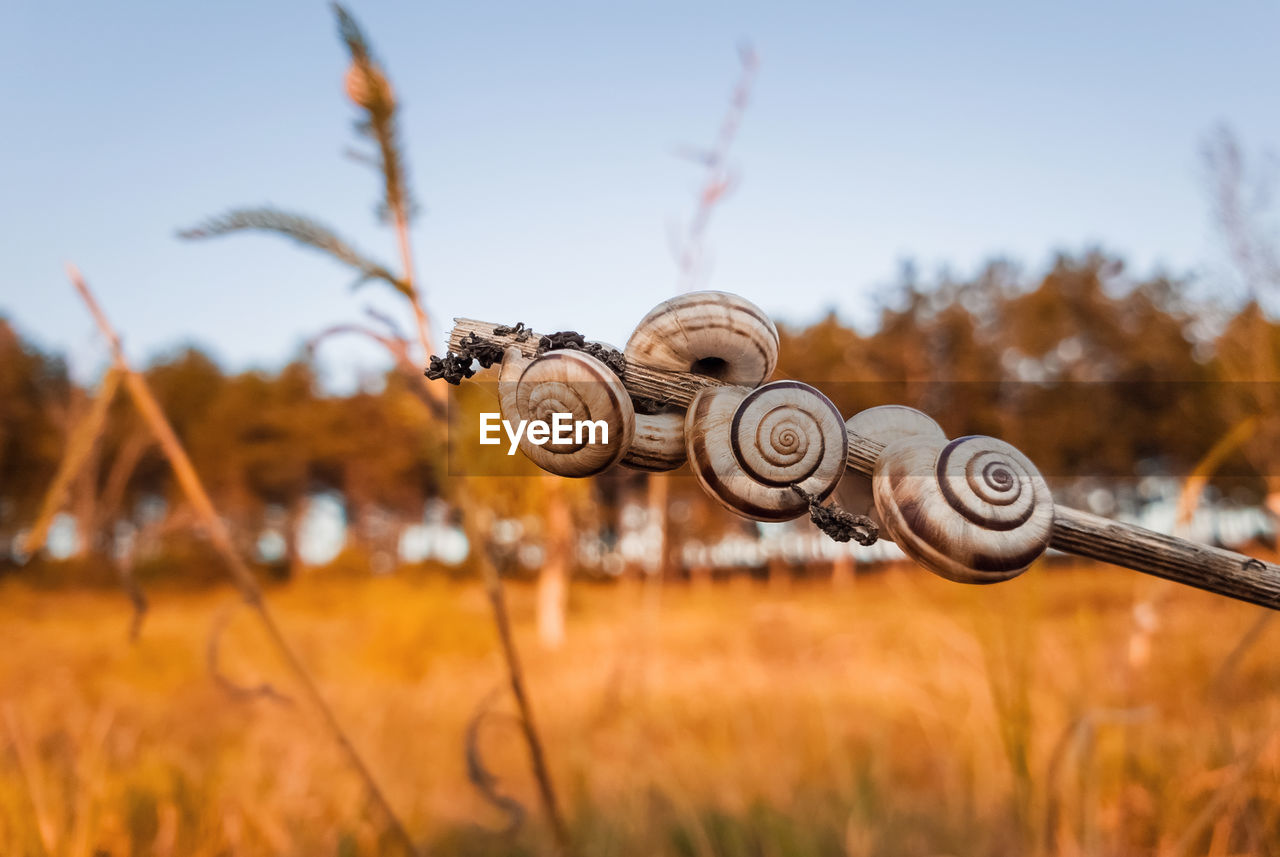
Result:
[573,383]
[748,447]
[974,510]
[708,333]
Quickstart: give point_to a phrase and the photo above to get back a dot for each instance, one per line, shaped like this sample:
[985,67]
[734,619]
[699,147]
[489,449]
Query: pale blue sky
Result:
[540,140]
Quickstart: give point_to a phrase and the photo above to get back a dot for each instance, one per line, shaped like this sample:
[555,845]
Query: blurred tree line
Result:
[1094,374]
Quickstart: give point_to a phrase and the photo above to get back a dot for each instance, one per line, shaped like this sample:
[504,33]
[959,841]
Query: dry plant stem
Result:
[1194,487]
[719,181]
[497,600]
[28,770]
[1075,532]
[220,537]
[420,316]
[437,398]
[479,775]
[1212,808]
[79,445]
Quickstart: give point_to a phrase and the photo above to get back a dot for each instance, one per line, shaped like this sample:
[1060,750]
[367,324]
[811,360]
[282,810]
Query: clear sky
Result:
[540,139]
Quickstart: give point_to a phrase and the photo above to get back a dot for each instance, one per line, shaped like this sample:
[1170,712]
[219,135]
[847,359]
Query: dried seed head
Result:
[368,87]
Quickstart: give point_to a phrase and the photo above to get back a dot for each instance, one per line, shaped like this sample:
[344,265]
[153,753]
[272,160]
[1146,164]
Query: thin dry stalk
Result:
[1247,640]
[1078,739]
[137,596]
[397,201]
[397,346]
[80,443]
[420,316]
[213,649]
[395,343]
[89,781]
[1194,487]
[28,772]
[1221,799]
[369,90]
[719,180]
[220,538]
[481,777]
[515,673]
[1144,611]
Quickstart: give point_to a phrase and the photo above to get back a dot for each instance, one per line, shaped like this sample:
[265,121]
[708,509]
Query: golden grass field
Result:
[897,715]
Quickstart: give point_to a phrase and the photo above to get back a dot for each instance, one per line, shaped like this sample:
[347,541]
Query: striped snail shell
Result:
[574,383]
[658,443]
[748,447]
[887,423]
[882,424]
[708,333]
[974,510]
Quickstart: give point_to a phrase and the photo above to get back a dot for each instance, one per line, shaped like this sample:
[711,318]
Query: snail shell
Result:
[574,383]
[887,423]
[748,447]
[658,443]
[883,424]
[974,510]
[715,334]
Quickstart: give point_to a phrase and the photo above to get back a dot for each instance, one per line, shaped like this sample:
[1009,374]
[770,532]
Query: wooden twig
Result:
[1075,532]
[220,537]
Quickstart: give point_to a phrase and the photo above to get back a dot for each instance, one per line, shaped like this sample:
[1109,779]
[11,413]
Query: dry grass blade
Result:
[213,647]
[220,537]
[369,89]
[480,776]
[1247,641]
[137,597]
[304,230]
[515,674]
[398,348]
[28,772]
[1211,809]
[79,445]
[1194,487]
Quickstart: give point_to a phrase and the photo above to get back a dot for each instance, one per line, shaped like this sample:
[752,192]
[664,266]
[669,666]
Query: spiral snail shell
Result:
[708,333]
[748,447]
[574,383]
[974,510]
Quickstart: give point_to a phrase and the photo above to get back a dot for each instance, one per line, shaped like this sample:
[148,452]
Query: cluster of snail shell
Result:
[973,509]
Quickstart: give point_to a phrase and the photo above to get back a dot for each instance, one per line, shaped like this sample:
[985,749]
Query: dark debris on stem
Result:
[839,524]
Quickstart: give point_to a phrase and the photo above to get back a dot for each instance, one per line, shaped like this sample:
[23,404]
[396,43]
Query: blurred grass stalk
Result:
[220,538]
[369,89]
